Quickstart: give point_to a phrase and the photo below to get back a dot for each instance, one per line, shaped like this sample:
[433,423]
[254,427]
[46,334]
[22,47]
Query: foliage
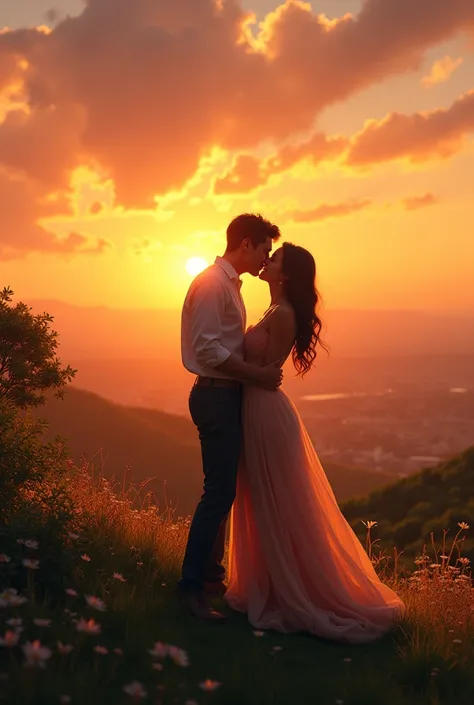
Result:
[34,497]
[413,509]
[28,362]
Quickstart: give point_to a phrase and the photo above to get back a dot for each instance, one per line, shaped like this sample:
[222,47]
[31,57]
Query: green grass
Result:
[396,670]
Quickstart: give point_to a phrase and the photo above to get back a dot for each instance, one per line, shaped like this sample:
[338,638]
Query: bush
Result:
[34,498]
[407,531]
[28,363]
[36,506]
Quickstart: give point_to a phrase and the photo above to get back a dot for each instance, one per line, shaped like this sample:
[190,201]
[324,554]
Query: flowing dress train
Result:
[295,562]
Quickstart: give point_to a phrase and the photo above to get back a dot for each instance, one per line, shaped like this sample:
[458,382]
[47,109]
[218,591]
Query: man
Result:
[212,346]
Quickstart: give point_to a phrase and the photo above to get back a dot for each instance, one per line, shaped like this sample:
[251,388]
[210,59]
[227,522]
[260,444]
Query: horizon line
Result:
[435,311]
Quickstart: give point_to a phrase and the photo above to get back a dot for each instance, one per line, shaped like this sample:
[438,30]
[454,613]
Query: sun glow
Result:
[196,265]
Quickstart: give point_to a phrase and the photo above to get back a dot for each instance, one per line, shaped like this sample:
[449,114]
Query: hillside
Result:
[135,643]
[134,443]
[159,445]
[348,482]
[409,510]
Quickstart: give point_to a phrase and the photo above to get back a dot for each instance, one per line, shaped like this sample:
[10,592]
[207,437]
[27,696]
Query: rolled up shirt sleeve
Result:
[207,313]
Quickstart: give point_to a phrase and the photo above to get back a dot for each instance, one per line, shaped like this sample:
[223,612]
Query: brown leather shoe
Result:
[200,608]
[215,589]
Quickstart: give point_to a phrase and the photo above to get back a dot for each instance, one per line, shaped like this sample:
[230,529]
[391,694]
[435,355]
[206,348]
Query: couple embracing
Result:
[295,564]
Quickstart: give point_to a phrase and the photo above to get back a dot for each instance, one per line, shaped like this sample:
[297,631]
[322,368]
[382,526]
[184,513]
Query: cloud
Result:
[441,71]
[328,210]
[413,203]
[44,146]
[417,137]
[142,90]
[22,209]
[248,173]
[53,15]
[245,175]
[8,69]
[145,247]
[79,243]
[96,208]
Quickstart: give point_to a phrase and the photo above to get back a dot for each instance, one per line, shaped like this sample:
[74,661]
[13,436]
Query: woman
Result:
[295,563]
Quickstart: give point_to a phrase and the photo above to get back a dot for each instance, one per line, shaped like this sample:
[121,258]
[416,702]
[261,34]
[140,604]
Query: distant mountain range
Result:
[100,332]
[408,511]
[134,444]
[133,356]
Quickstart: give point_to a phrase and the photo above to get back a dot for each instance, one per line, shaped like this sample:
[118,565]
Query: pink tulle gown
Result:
[295,563]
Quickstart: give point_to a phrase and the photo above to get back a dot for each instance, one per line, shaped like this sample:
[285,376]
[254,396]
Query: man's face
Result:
[257,256]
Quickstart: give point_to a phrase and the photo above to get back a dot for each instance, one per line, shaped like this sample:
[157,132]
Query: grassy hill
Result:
[348,482]
[430,501]
[154,444]
[89,612]
[130,444]
[122,578]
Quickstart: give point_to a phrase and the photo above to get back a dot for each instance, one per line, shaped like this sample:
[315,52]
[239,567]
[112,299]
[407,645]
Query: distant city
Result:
[390,431]
[389,414]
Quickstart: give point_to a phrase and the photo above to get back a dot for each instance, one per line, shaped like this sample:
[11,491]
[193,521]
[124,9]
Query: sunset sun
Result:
[195,265]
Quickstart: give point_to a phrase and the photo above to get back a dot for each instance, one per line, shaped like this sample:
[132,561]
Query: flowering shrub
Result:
[34,497]
[35,502]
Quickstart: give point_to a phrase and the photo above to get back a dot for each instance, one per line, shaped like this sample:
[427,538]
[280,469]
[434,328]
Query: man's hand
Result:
[271,376]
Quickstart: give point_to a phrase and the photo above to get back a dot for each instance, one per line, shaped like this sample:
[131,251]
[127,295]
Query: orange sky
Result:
[132,132]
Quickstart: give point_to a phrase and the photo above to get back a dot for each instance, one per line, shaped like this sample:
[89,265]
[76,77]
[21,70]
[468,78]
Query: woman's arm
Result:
[282,332]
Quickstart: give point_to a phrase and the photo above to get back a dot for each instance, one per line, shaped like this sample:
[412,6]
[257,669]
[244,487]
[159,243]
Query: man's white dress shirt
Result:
[213,320]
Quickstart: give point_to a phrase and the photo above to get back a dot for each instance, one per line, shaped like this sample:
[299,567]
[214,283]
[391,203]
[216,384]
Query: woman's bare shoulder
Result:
[283,317]
[284,312]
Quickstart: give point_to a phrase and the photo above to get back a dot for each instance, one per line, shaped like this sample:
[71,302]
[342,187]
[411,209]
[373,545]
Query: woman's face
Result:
[272,269]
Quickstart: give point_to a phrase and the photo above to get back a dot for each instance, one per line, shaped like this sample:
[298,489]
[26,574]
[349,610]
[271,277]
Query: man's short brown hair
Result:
[252,226]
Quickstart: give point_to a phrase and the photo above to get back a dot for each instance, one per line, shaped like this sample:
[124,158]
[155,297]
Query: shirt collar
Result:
[228,269]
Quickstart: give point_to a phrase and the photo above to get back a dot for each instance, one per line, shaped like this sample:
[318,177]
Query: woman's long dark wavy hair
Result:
[299,270]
